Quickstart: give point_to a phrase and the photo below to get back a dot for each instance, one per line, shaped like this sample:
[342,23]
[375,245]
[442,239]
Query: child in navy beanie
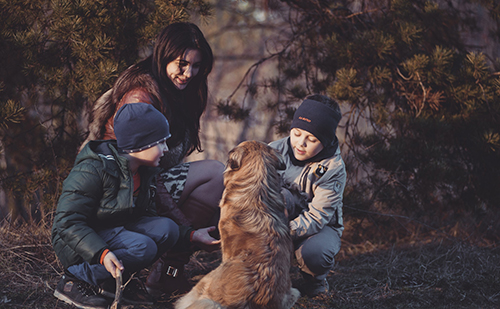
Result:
[140,126]
[314,179]
[106,221]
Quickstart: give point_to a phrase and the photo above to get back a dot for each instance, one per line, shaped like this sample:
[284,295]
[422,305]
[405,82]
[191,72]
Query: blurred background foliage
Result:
[56,58]
[421,126]
[420,94]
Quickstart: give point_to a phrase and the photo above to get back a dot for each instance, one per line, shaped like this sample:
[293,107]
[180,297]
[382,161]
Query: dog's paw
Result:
[295,294]
[290,298]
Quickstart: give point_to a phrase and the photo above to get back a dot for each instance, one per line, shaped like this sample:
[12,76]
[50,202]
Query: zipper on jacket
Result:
[303,177]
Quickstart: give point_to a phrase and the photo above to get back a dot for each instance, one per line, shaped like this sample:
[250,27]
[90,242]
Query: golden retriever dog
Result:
[255,237]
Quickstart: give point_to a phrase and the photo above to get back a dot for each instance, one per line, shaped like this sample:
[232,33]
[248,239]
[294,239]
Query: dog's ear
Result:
[235,157]
[233,164]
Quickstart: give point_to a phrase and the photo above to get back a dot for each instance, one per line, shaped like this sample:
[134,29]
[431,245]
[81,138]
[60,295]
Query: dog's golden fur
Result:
[255,238]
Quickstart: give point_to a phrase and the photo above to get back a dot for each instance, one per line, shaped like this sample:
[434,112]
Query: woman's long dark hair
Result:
[183,109]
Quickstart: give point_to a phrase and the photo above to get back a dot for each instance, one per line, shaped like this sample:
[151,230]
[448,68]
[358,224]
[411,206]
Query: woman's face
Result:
[183,69]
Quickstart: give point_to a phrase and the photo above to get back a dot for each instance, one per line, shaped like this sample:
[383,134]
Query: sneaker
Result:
[134,292]
[314,289]
[79,293]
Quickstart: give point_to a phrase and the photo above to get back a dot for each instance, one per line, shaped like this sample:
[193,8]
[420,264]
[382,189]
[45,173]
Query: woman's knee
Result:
[215,167]
[205,171]
[204,183]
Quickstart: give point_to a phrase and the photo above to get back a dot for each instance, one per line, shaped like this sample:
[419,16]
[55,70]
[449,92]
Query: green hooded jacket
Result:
[97,194]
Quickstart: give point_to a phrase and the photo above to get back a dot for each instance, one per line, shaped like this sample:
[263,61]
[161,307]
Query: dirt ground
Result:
[424,272]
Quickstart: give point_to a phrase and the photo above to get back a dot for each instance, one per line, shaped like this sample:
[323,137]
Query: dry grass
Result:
[28,267]
[432,270]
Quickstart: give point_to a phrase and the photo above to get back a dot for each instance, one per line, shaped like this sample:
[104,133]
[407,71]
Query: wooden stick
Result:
[118,291]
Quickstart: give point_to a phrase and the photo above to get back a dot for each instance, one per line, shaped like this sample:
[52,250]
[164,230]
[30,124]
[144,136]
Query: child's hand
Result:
[203,239]
[112,264]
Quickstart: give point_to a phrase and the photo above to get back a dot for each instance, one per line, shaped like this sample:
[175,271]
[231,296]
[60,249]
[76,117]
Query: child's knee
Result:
[143,251]
[318,261]
[170,232]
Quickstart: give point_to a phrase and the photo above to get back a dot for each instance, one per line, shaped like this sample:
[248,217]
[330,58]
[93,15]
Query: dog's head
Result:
[252,153]
[252,172]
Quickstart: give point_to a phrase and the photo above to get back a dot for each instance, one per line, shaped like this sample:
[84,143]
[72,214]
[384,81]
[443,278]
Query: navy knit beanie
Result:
[139,126]
[318,119]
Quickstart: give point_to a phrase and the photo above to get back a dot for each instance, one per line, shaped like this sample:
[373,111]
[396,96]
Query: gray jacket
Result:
[322,184]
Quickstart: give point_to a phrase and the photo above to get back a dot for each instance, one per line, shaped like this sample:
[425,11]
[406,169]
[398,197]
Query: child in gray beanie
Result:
[314,179]
[106,220]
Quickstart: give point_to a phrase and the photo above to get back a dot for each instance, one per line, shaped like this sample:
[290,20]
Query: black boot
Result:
[314,286]
[80,293]
[167,275]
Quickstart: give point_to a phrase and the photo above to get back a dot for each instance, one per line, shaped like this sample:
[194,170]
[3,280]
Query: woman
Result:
[174,80]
